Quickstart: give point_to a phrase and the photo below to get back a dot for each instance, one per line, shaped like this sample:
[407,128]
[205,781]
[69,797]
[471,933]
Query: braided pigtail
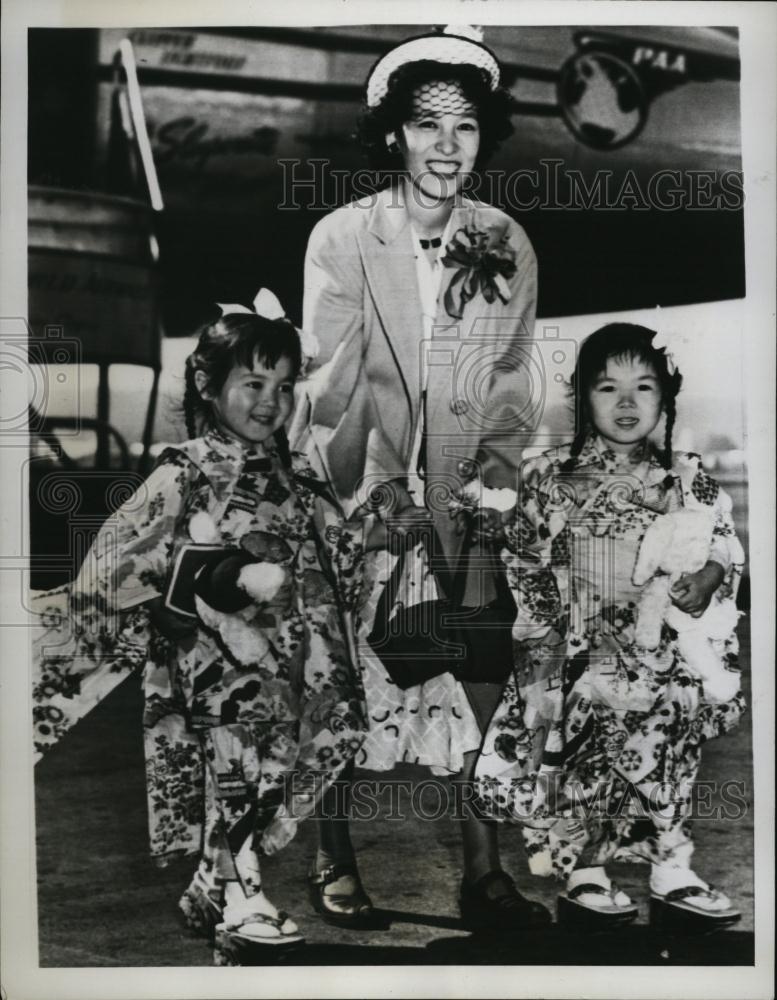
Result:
[192,401]
[574,450]
[284,452]
[671,411]
[672,383]
[576,391]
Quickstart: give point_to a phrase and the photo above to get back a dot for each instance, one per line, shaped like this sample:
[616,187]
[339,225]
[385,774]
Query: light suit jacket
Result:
[359,412]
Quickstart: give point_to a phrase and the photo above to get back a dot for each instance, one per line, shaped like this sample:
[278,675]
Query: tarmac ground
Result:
[103,902]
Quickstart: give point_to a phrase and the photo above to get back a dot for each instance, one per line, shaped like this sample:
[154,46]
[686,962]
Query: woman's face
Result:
[440,142]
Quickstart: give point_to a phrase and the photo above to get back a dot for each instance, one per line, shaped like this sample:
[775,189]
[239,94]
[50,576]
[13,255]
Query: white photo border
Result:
[22,978]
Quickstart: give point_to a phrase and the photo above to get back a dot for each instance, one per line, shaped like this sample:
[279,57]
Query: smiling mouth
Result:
[444,167]
[627,421]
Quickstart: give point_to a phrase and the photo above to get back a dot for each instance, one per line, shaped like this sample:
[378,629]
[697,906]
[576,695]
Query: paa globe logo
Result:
[602,99]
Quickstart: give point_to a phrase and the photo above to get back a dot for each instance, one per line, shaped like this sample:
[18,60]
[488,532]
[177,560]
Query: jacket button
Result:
[459,406]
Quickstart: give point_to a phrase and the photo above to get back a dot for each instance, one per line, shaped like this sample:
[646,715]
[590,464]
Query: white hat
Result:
[457,45]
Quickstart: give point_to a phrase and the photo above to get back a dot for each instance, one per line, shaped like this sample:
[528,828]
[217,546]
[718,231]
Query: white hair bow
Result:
[669,340]
[266,304]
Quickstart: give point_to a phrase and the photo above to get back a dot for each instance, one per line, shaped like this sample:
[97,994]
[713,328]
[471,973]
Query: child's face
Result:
[254,402]
[625,402]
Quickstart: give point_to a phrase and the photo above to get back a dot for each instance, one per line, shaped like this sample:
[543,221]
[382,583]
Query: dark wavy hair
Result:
[494,108]
[231,340]
[620,341]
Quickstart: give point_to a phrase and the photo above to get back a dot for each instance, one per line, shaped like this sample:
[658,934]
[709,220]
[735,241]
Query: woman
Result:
[421,299]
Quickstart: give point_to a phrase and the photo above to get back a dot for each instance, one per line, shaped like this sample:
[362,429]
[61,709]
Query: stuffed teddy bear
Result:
[677,543]
[230,595]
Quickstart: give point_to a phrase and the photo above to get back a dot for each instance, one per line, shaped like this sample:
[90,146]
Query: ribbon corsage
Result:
[266,304]
[484,260]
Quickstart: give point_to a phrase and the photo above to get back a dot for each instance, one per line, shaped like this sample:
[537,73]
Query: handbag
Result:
[434,637]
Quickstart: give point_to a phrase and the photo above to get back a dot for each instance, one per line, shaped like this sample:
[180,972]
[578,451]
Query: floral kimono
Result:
[596,743]
[266,698]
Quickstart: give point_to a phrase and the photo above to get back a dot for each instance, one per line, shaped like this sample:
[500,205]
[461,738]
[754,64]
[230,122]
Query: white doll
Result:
[677,543]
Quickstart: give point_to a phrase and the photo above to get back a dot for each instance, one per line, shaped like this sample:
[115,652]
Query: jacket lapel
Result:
[389,266]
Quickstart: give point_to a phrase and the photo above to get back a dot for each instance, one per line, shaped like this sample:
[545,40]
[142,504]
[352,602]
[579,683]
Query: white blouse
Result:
[429,274]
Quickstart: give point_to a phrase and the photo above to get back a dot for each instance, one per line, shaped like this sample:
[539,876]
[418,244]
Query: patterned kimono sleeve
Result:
[535,555]
[340,542]
[700,489]
[91,634]
[146,526]
[725,548]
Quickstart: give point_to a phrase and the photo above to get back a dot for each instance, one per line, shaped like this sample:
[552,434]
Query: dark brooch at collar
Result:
[432,244]
[258,463]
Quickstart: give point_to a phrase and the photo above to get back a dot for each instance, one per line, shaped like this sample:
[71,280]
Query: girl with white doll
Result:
[624,563]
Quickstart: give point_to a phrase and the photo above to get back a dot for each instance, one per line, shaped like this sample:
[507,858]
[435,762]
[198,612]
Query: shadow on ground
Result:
[553,946]
[634,945]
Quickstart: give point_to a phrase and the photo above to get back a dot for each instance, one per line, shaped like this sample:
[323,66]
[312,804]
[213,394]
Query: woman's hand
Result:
[385,499]
[485,523]
[397,529]
[407,525]
[693,591]
[396,519]
[482,510]
[489,526]
[169,624]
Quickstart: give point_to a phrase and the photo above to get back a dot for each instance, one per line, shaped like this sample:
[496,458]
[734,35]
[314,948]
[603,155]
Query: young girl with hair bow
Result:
[218,579]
